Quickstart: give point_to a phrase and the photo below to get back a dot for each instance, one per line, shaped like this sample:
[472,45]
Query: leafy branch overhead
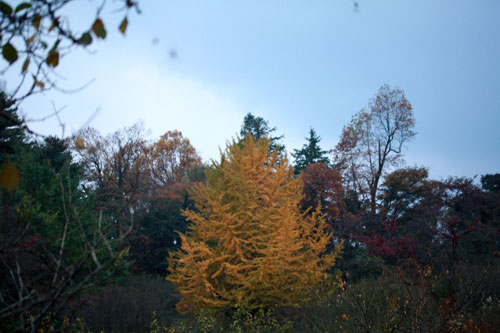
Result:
[40,35]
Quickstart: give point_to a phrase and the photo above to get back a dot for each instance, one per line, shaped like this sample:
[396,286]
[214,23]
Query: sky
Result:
[201,66]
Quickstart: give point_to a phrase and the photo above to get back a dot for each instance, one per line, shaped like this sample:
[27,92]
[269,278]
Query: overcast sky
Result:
[200,66]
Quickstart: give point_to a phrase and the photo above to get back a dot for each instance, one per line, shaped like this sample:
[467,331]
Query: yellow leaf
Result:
[36,21]
[9,176]
[123,25]
[37,83]
[31,39]
[79,144]
[53,58]
[54,24]
[25,65]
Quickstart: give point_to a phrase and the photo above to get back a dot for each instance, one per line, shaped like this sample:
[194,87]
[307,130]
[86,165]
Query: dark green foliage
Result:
[476,217]
[157,235]
[352,201]
[259,128]
[491,182]
[56,152]
[401,190]
[237,321]
[196,174]
[41,202]
[51,243]
[357,264]
[408,197]
[309,153]
[159,223]
[11,126]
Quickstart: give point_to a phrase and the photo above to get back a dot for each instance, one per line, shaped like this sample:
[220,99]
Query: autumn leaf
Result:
[123,25]
[323,185]
[53,58]
[38,83]
[98,28]
[54,24]
[79,144]
[31,39]
[36,21]
[9,176]
[25,65]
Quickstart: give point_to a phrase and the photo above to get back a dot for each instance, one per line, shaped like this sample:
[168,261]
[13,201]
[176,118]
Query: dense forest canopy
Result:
[241,233]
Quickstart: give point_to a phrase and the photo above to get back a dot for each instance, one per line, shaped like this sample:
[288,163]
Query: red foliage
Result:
[324,185]
[455,229]
[390,246]
[32,240]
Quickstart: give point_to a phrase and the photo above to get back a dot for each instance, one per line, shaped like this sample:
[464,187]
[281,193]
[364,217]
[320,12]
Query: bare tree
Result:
[373,141]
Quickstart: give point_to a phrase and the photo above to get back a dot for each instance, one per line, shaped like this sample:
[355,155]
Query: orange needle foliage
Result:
[249,245]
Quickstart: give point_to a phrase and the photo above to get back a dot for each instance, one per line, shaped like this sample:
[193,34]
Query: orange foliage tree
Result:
[249,245]
[169,160]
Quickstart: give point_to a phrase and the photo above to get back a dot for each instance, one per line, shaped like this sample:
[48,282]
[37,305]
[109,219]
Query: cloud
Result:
[165,101]
[127,90]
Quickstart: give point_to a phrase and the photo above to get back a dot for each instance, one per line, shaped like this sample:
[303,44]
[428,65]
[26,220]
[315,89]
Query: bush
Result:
[237,321]
[128,306]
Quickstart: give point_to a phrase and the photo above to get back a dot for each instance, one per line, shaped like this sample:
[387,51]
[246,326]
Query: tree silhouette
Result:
[373,141]
[309,153]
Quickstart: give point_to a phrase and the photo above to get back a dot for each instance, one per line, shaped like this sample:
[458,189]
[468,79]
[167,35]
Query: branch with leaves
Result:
[40,35]
[53,243]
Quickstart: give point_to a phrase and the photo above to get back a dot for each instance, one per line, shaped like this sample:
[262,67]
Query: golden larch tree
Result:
[249,245]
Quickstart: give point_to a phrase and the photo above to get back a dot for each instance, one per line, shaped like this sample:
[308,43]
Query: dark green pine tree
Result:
[491,182]
[310,153]
[259,128]
[11,126]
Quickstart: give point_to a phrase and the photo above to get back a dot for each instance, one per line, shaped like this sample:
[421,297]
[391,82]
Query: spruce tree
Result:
[11,126]
[259,129]
[310,153]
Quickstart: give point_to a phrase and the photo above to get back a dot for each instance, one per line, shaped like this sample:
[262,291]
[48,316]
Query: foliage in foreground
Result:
[409,298]
[53,243]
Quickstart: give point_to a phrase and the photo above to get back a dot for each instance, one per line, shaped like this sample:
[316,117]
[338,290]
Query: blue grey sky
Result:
[297,64]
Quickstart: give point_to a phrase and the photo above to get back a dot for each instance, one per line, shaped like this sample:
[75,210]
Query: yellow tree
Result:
[249,245]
